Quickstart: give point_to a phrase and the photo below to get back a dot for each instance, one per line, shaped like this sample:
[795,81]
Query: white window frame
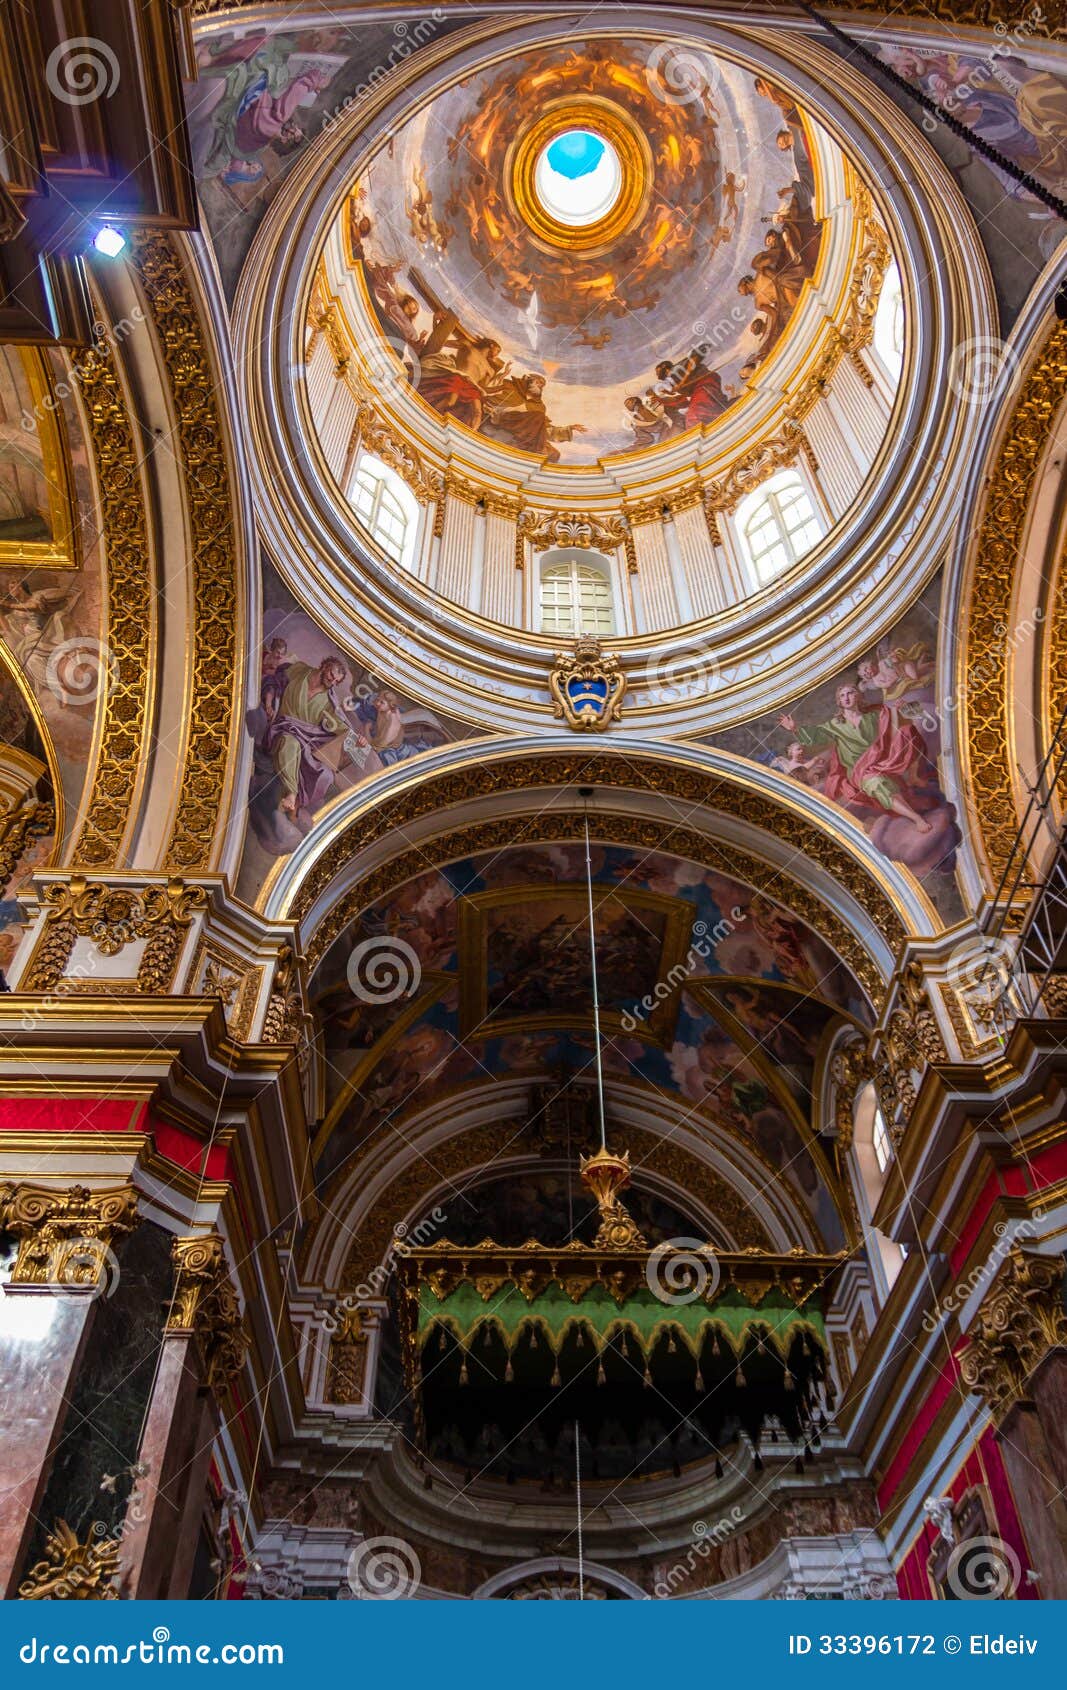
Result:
[889,327]
[771,507]
[391,499]
[598,567]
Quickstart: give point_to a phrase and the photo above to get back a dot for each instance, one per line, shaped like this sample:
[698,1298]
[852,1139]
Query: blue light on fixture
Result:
[576,153]
[109,241]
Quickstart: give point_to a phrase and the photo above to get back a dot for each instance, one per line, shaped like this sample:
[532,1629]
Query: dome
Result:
[609,306]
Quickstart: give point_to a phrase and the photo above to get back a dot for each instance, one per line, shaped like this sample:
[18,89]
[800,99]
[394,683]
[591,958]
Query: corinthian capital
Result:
[1020,1321]
[65,1237]
[205,1304]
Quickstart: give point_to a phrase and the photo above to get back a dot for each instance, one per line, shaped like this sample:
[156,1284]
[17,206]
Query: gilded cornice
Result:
[212,523]
[986,682]
[692,787]
[129,635]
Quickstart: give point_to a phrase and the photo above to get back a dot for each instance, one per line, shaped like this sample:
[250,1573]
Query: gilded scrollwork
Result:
[112,917]
[205,1304]
[73,1571]
[212,521]
[1020,1321]
[130,613]
[64,1236]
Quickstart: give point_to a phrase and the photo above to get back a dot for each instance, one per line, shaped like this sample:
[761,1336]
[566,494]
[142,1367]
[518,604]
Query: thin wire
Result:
[596,993]
[578,1494]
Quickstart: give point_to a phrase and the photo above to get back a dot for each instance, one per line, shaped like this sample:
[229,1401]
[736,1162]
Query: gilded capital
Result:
[206,1306]
[1020,1321]
[65,1237]
[73,1571]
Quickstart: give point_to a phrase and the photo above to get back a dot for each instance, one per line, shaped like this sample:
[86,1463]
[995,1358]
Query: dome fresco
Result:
[564,333]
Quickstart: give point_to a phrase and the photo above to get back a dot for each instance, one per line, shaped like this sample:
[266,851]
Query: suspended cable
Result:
[596,992]
[578,1496]
[921,98]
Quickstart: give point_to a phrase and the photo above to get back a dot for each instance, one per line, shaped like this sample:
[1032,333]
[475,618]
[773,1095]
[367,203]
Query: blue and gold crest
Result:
[587,686]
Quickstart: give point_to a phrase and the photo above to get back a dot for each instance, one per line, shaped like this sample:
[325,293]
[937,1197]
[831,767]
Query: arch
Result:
[863,904]
[557,1566]
[708,1172]
[1006,621]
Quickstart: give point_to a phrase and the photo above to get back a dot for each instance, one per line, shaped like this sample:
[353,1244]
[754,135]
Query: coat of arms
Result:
[587,686]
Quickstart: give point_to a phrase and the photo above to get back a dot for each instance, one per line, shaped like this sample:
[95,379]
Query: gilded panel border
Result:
[990,586]
[201,439]
[652,835]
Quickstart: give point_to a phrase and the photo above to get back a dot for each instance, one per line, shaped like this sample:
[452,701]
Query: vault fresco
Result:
[871,739]
[737,1032]
[571,354]
[321,723]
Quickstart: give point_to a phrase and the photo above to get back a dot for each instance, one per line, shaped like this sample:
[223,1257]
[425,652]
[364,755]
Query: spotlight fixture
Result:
[109,241]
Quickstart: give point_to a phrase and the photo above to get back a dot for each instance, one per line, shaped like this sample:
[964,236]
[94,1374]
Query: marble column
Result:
[203,1346]
[1031,1470]
[1016,1359]
[64,1257]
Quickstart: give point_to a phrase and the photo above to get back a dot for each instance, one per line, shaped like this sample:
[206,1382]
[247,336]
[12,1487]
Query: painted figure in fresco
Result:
[1016,107]
[35,622]
[520,418]
[303,719]
[877,758]
[386,731]
[263,84]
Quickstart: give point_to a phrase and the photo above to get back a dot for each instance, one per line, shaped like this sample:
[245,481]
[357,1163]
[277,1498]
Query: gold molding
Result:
[131,620]
[216,648]
[987,599]
[612,124]
[73,1571]
[692,787]
[112,917]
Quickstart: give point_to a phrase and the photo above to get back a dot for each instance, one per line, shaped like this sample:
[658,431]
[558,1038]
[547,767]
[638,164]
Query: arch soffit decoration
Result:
[848,616]
[877,907]
[10,671]
[162,322]
[694,1164]
[985,581]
